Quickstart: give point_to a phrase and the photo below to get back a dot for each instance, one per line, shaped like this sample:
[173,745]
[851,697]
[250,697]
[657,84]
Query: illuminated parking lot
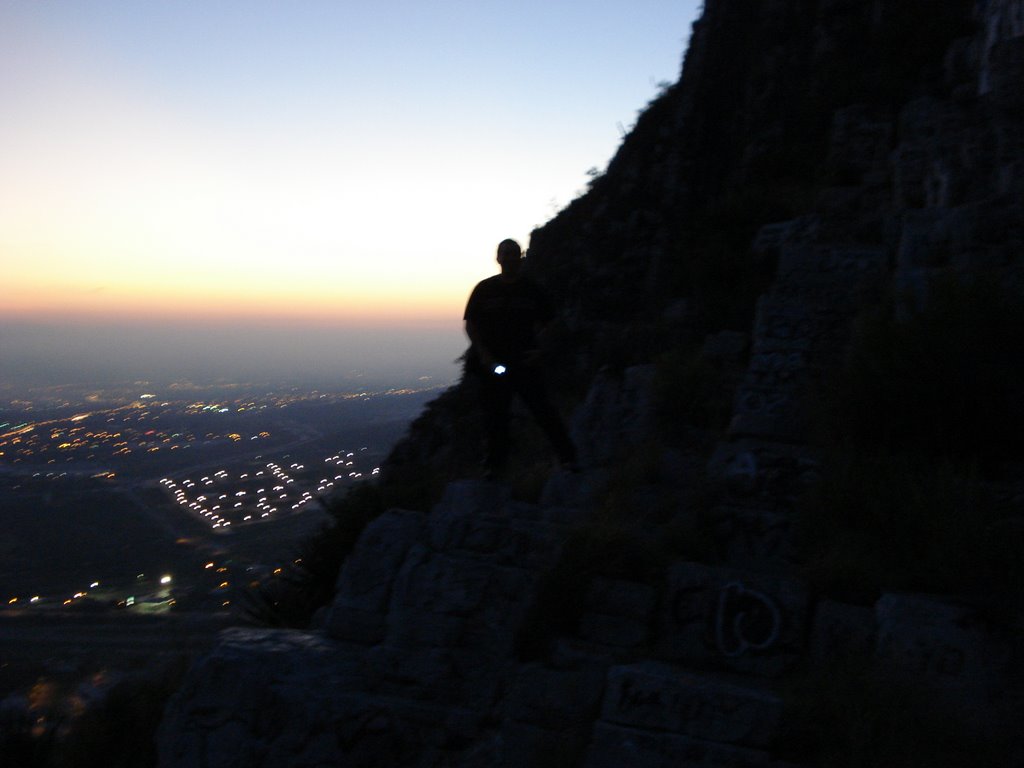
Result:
[227,496]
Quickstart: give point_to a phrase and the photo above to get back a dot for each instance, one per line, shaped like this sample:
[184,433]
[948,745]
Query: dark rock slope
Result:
[752,292]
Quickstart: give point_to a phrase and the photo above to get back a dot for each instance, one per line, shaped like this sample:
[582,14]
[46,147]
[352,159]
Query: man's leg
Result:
[530,387]
[496,399]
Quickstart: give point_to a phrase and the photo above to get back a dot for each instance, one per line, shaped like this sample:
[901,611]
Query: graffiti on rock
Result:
[745,620]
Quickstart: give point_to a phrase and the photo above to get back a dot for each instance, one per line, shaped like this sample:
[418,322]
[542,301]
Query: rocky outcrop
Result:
[417,664]
[900,159]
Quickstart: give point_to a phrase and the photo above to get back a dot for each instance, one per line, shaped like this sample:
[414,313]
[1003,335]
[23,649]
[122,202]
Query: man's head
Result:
[510,257]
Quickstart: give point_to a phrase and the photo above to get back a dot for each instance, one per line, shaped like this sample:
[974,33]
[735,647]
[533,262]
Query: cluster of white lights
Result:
[273,492]
[284,479]
[199,505]
[340,461]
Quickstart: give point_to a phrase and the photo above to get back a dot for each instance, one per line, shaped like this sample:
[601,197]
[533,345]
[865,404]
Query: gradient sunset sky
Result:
[330,162]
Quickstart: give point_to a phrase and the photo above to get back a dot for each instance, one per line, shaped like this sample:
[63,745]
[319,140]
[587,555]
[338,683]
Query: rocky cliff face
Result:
[817,158]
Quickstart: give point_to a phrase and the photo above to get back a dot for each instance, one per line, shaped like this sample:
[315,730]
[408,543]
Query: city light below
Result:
[131,495]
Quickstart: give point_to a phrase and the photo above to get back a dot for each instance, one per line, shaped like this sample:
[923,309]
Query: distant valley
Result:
[149,497]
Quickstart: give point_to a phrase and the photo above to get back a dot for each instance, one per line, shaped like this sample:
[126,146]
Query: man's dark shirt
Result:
[506,314]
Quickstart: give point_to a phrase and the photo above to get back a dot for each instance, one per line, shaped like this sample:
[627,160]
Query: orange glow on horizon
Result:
[316,305]
[179,314]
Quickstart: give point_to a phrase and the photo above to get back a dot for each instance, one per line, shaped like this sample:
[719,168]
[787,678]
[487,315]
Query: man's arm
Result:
[486,358]
[483,354]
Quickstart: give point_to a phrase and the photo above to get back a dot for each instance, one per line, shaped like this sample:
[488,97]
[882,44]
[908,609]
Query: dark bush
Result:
[947,382]
[917,424]
[690,392]
[896,522]
[291,598]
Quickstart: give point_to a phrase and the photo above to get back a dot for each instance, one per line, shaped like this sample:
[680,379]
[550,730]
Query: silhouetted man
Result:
[504,316]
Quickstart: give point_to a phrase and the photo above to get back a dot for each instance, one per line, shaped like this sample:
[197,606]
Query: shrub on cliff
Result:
[920,425]
[291,598]
[946,382]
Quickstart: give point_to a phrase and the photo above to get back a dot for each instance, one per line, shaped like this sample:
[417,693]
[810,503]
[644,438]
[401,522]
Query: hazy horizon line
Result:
[53,352]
